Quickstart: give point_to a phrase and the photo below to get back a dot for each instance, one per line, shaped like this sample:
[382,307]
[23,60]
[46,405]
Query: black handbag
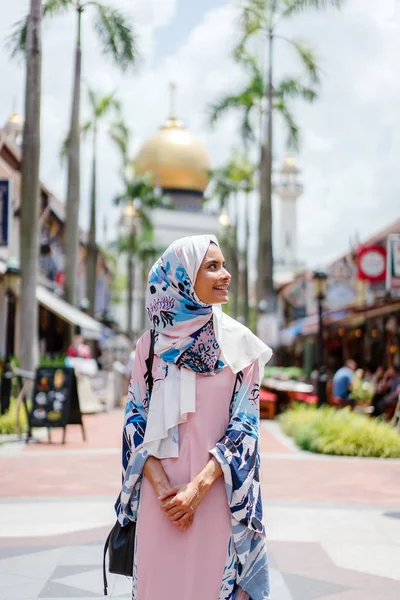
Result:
[120,542]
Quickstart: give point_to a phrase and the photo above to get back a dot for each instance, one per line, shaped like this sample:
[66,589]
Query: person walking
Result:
[190,455]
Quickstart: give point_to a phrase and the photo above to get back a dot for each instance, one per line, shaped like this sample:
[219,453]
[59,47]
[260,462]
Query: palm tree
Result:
[243,174]
[263,18]
[146,251]
[225,188]
[30,191]
[139,197]
[118,41]
[100,106]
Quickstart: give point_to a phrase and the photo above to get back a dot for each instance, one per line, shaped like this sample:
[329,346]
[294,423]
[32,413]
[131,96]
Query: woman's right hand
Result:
[185,522]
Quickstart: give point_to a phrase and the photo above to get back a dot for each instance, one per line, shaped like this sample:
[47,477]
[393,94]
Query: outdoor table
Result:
[283,389]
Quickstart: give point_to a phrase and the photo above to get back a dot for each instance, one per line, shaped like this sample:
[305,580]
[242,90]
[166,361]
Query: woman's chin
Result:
[220,299]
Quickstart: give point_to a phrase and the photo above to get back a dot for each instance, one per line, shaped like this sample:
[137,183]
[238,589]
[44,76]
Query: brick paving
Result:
[328,536]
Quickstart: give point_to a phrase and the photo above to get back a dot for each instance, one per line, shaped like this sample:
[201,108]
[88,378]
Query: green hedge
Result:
[340,432]
[284,372]
[7,421]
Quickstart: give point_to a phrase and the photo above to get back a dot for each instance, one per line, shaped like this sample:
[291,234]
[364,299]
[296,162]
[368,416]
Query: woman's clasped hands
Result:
[180,503]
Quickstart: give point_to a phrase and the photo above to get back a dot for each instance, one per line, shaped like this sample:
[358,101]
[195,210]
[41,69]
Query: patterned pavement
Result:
[333,524]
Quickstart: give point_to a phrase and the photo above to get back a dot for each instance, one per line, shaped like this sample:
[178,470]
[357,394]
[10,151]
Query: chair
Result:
[268,402]
[303,397]
[396,415]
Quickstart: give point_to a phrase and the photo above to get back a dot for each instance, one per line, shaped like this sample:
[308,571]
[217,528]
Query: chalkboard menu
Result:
[55,400]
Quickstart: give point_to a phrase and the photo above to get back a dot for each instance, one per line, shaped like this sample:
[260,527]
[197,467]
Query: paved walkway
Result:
[333,524]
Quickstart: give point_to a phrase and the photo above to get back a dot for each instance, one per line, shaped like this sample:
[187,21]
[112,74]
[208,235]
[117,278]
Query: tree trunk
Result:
[246,303]
[265,284]
[130,287]
[235,272]
[91,258]
[71,241]
[30,193]
[145,270]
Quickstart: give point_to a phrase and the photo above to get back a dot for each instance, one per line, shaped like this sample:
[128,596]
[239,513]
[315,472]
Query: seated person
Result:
[389,402]
[343,380]
[78,348]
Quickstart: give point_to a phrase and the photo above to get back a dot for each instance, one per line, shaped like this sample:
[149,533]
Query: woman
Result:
[190,456]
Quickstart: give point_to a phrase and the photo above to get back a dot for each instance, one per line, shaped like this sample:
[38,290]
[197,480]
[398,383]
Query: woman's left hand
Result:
[185,501]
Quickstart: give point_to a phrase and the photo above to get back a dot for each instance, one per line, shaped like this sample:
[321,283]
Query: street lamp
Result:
[130,215]
[11,279]
[320,283]
[224,219]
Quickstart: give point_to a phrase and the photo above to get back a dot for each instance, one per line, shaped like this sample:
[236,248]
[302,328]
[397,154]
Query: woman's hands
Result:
[180,504]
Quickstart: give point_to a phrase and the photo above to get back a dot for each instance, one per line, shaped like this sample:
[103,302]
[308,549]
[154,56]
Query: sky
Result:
[350,136]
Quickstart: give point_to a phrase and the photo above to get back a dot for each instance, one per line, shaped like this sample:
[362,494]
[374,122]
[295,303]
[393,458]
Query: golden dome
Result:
[175,157]
[15,121]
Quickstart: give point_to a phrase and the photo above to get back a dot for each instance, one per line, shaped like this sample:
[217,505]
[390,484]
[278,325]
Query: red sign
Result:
[60,278]
[371,263]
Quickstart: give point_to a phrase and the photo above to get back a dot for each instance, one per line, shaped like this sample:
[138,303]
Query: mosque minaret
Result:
[288,189]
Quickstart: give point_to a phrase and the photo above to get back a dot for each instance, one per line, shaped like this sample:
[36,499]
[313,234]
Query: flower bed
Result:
[340,432]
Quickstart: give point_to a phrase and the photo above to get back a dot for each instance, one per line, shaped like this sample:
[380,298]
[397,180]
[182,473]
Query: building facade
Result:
[361,308]
[54,311]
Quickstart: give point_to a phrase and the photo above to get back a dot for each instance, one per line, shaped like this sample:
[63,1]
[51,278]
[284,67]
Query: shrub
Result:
[7,421]
[284,372]
[340,432]
[55,361]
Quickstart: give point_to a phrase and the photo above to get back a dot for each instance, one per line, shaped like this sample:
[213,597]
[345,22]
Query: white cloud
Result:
[350,135]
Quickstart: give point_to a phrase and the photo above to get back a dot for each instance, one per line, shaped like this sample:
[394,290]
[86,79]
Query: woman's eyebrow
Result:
[213,260]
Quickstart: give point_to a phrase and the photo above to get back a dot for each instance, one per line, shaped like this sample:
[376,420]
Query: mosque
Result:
[179,165]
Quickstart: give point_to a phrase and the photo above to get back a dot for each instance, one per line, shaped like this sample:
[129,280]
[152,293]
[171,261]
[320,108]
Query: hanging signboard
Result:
[393,265]
[55,399]
[5,211]
[371,263]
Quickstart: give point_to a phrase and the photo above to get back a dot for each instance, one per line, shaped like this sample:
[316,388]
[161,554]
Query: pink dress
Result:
[176,565]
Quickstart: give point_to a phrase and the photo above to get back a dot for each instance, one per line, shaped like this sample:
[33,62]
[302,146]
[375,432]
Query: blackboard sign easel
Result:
[55,400]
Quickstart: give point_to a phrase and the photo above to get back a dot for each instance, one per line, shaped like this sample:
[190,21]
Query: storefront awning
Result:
[91,329]
[309,325]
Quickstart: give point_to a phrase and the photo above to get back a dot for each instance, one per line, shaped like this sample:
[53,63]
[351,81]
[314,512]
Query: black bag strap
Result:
[150,382]
[105,583]
[149,361]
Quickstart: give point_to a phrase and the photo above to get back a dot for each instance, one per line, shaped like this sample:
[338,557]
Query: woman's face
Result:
[213,279]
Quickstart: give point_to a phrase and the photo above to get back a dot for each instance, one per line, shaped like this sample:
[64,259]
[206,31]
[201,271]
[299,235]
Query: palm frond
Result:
[309,60]
[119,133]
[292,7]
[16,41]
[223,106]
[116,35]
[93,99]
[294,88]
[86,127]
[64,149]
[55,7]
[293,139]
[105,104]
[246,128]
[145,220]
